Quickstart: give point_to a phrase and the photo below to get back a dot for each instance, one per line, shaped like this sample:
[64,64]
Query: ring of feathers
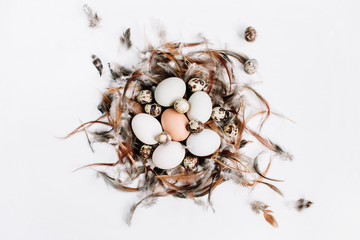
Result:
[131,173]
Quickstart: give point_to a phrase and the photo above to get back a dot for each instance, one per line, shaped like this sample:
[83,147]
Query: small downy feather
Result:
[302,204]
[97,63]
[125,39]
[258,207]
[92,16]
[118,71]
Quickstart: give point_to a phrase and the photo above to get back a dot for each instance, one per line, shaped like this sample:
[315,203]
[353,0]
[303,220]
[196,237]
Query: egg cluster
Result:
[180,136]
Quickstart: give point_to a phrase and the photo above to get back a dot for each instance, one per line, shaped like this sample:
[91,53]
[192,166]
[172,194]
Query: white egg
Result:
[169,90]
[168,156]
[204,143]
[200,107]
[146,128]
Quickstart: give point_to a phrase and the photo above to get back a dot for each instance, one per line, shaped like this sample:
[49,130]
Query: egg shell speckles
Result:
[196,84]
[146,128]
[190,163]
[218,114]
[144,97]
[169,90]
[195,126]
[145,151]
[181,105]
[251,66]
[168,156]
[250,34]
[231,130]
[164,138]
[175,124]
[153,109]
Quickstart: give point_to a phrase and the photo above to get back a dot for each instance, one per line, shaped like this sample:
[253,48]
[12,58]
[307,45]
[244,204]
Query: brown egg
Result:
[175,123]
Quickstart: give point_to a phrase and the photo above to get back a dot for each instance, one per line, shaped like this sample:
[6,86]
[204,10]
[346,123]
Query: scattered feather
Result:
[97,63]
[118,71]
[92,16]
[259,207]
[302,204]
[125,39]
[88,139]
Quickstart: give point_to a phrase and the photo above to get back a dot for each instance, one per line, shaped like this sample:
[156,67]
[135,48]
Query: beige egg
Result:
[175,123]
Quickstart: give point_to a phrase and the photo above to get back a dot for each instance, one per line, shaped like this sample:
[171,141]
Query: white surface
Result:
[309,63]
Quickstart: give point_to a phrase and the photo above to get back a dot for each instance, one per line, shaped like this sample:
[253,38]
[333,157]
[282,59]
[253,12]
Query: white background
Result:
[309,67]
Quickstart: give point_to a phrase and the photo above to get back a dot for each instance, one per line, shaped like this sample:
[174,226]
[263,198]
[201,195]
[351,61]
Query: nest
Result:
[222,70]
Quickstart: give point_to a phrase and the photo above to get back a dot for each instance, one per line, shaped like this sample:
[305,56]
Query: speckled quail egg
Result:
[250,34]
[181,105]
[153,109]
[196,84]
[164,138]
[144,97]
[218,114]
[231,130]
[195,126]
[250,66]
[191,163]
[145,151]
